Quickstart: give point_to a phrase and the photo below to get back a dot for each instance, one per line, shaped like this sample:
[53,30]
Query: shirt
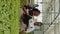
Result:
[31,26]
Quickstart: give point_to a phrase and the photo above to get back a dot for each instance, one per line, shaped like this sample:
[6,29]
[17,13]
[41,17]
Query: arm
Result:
[25,10]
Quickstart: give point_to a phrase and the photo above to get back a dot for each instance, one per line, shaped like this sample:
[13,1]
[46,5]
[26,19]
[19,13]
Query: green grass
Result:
[9,16]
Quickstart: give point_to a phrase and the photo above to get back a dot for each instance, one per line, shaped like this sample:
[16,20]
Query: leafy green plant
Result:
[9,16]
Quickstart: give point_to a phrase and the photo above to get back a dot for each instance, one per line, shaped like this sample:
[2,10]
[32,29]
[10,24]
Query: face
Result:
[35,13]
[37,24]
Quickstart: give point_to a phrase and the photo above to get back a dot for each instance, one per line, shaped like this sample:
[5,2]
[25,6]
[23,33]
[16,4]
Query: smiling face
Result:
[37,23]
[36,13]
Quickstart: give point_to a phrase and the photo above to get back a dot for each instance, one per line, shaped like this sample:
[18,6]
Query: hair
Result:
[28,7]
[35,9]
[25,6]
[26,19]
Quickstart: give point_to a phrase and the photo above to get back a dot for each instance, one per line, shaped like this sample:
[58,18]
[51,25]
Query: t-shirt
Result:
[31,26]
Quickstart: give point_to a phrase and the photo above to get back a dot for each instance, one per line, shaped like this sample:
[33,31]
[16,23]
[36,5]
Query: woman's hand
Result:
[25,10]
